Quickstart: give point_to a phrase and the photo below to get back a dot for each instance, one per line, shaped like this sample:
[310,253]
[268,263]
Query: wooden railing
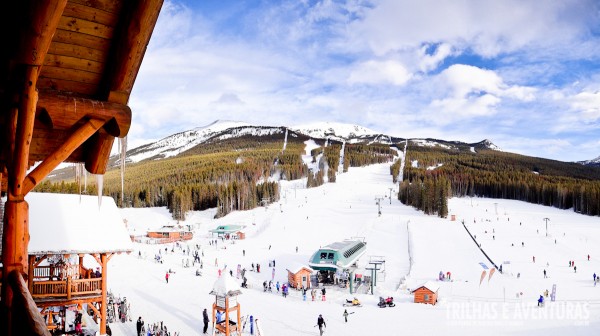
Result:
[55,272]
[66,288]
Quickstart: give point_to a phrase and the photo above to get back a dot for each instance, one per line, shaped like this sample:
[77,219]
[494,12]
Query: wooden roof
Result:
[85,56]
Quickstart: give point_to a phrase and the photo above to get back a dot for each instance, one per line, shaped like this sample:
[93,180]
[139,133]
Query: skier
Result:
[321,324]
[588,257]
[167,277]
[303,293]
[575,268]
[205,319]
[78,329]
[541,301]
[534,259]
[323,294]
[277,286]
[139,324]
[244,253]
[345,315]
[545,274]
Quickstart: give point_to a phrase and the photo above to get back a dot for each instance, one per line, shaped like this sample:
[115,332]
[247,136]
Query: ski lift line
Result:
[480,249]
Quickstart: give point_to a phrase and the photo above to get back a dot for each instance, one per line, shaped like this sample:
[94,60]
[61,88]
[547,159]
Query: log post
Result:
[30,273]
[15,239]
[68,287]
[41,23]
[104,262]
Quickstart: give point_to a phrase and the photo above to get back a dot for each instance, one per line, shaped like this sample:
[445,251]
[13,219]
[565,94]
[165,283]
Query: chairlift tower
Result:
[546,219]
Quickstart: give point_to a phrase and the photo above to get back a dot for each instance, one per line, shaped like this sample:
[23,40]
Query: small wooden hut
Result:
[171,233]
[426,293]
[299,276]
[226,291]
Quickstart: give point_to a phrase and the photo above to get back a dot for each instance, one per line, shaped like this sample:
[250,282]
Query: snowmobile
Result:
[389,302]
[352,303]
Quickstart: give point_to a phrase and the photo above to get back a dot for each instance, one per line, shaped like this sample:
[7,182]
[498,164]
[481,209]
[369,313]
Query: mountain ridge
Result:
[180,142]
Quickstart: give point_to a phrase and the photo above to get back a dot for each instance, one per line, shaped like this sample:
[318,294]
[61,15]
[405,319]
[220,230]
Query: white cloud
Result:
[428,62]
[379,72]
[485,26]
[587,104]
[468,91]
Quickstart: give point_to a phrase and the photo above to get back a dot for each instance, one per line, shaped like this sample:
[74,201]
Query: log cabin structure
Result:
[299,276]
[67,69]
[170,233]
[58,276]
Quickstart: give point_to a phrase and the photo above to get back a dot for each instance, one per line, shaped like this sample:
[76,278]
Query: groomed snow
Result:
[415,248]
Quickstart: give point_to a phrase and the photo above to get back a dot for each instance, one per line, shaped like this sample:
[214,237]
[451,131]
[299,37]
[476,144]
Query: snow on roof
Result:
[296,267]
[432,286]
[226,286]
[65,224]
[171,228]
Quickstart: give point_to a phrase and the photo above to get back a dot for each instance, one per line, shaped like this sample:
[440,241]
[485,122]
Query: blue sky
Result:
[524,74]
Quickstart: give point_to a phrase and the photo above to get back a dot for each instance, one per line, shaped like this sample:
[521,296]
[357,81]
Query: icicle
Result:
[85,174]
[99,185]
[123,152]
[78,172]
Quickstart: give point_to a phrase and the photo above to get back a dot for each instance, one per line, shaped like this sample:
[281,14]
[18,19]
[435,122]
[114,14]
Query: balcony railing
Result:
[66,288]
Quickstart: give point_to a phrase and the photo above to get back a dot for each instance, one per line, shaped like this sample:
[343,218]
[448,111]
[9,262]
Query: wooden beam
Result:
[30,273]
[96,312]
[61,153]
[63,302]
[24,132]
[42,20]
[97,257]
[66,111]
[37,263]
[98,155]
[104,290]
[132,40]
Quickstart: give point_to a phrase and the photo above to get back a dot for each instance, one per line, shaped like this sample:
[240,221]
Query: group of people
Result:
[155,329]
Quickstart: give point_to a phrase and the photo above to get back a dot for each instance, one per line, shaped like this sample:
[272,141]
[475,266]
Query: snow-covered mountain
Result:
[223,129]
[334,130]
[180,142]
[595,162]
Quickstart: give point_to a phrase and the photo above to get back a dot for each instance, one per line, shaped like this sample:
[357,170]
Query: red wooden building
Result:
[170,233]
[426,293]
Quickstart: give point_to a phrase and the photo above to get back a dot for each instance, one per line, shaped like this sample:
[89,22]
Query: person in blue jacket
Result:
[541,301]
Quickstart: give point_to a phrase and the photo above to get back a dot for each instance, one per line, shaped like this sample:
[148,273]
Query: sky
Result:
[523,74]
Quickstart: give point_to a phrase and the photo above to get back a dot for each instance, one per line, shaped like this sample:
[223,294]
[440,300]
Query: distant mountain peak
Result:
[327,129]
[489,145]
[593,162]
